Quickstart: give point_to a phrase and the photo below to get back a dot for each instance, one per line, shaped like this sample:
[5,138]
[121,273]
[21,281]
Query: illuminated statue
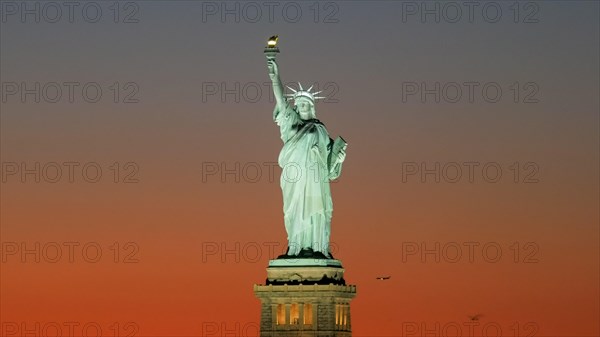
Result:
[309,160]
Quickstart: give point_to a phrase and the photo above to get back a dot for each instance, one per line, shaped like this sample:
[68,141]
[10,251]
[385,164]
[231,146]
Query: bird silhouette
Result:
[383,278]
[475,317]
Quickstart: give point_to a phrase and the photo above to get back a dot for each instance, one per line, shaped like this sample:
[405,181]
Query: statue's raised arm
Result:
[276,81]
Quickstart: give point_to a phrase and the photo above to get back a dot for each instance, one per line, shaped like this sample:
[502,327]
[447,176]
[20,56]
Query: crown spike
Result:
[304,93]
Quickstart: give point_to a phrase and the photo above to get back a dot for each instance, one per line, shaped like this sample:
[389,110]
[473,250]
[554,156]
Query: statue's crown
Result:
[305,93]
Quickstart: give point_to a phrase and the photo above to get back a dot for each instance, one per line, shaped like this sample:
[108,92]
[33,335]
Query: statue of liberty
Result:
[309,160]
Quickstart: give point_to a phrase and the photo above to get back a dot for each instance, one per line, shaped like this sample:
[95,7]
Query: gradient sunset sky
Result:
[192,127]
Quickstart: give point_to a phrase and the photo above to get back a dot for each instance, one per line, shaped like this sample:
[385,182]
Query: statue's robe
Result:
[305,176]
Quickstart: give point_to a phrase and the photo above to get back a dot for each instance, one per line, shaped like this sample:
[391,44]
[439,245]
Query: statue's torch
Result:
[271,49]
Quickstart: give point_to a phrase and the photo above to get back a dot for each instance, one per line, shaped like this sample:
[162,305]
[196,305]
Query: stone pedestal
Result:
[305,298]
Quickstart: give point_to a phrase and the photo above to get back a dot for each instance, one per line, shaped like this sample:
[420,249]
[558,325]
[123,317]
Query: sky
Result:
[140,189]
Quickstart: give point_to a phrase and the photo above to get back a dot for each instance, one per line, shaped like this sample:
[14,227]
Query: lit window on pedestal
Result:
[337,314]
[294,314]
[308,314]
[280,314]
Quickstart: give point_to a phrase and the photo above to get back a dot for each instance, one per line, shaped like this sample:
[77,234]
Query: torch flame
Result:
[273,41]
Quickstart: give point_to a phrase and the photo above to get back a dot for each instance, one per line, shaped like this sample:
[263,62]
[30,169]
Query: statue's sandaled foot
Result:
[306,253]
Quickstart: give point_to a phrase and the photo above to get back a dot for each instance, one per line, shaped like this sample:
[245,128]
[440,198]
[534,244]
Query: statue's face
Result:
[305,108]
